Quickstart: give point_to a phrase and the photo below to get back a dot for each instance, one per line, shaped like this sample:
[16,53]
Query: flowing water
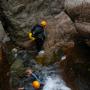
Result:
[55,83]
[48,75]
[77,71]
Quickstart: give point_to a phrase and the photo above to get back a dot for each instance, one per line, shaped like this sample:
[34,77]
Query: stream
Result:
[48,75]
[73,76]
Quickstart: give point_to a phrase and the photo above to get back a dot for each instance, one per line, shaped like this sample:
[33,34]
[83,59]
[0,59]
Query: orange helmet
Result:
[36,84]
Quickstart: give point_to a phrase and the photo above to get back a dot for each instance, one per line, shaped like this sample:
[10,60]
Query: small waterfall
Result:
[55,83]
[47,75]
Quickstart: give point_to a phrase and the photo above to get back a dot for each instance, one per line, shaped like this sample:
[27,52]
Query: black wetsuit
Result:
[39,34]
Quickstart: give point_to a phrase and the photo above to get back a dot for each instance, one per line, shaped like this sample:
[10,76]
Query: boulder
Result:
[18,8]
[24,13]
[78,10]
[83,29]
[26,44]
[60,35]
[74,3]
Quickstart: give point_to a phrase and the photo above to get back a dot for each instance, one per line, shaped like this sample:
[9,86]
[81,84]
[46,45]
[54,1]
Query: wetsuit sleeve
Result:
[33,78]
[33,28]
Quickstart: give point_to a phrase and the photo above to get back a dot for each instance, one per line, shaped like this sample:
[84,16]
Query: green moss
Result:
[18,67]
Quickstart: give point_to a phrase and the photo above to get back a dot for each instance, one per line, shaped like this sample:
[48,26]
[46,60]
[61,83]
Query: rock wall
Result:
[24,14]
[68,27]
[61,32]
[74,3]
[4,69]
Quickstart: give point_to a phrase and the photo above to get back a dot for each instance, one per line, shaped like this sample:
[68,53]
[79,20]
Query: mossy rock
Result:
[18,67]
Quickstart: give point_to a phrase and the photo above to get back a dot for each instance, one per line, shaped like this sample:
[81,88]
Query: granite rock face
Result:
[24,14]
[65,23]
[83,29]
[60,35]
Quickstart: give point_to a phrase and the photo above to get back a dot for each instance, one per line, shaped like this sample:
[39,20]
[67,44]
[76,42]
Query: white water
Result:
[55,83]
[50,76]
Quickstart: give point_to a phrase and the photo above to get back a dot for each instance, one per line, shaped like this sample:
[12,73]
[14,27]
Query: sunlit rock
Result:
[61,31]
[73,3]
[78,10]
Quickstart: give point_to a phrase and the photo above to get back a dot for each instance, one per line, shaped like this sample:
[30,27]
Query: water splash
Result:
[55,83]
[47,75]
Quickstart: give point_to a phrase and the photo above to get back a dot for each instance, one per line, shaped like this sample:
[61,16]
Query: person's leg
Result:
[39,44]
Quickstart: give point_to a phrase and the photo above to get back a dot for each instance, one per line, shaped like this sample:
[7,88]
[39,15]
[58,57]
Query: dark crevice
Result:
[72,18]
[8,26]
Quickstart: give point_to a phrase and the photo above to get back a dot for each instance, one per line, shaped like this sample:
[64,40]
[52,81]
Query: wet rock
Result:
[28,44]
[76,66]
[83,29]
[18,8]
[73,3]
[41,57]
[26,13]
[78,10]
[61,33]
[18,67]
[17,70]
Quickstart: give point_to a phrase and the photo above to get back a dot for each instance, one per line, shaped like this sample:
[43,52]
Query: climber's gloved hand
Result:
[31,37]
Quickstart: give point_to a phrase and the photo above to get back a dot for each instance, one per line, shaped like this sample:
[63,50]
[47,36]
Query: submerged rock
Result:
[17,71]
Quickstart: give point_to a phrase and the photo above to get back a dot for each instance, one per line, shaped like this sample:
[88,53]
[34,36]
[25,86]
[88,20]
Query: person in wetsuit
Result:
[37,34]
[30,78]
